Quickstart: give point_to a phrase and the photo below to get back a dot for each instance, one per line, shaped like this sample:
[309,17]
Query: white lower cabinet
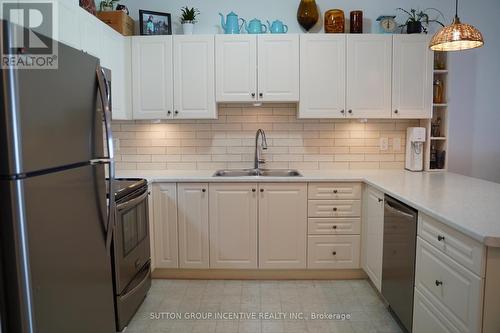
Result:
[192,210]
[372,236]
[233,225]
[450,287]
[165,225]
[282,225]
[428,318]
[332,252]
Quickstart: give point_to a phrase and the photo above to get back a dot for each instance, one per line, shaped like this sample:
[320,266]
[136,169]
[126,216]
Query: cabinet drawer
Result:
[449,286]
[463,249]
[334,226]
[335,191]
[333,251]
[334,208]
[428,318]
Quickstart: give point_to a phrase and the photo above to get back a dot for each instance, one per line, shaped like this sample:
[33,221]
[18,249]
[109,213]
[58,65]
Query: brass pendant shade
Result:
[456,37]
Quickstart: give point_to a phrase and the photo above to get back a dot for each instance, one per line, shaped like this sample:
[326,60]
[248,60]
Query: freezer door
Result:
[51,118]
[69,267]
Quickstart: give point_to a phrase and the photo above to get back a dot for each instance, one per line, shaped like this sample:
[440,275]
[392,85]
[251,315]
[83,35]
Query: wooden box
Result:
[118,20]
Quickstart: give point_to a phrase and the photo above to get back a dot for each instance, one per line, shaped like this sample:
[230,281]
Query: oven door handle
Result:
[132,202]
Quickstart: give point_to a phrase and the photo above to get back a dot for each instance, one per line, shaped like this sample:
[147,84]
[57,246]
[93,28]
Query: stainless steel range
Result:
[131,250]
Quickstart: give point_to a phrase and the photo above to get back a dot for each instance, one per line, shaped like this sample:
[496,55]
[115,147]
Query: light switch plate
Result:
[396,144]
[384,143]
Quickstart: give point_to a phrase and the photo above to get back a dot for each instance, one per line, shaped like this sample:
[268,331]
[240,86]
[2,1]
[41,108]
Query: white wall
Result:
[475,75]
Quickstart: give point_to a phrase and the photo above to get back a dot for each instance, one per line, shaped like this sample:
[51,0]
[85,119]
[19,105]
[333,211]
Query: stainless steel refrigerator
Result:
[56,222]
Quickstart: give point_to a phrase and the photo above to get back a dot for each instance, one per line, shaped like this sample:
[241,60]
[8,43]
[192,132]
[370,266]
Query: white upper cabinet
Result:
[372,235]
[412,77]
[69,29]
[194,71]
[236,70]
[369,75]
[322,76]
[115,52]
[152,77]
[278,67]
[90,33]
[282,226]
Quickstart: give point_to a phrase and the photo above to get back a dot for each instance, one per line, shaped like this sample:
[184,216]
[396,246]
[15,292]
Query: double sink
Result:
[257,173]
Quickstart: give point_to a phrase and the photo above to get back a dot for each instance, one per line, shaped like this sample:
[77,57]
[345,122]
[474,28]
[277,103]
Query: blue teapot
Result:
[255,27]
[232,24]
[277,27]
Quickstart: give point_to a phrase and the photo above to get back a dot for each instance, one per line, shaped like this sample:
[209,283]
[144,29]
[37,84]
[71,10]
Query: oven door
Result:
[131,245]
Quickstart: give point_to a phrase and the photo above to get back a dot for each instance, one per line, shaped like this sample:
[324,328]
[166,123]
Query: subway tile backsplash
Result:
[229,141]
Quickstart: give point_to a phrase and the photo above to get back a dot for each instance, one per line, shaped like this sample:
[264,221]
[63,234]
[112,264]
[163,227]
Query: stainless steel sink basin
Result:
[257,173]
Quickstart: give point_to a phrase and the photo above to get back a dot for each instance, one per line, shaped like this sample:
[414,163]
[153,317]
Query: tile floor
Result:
[357,298]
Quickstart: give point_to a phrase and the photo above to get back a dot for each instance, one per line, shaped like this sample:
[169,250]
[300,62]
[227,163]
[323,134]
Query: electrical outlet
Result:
[116,144]
[396,144]
[384,143]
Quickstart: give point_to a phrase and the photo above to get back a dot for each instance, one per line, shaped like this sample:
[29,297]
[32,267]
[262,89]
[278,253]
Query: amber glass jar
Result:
[438,92]
[307,14]
[334,21]
[356,22]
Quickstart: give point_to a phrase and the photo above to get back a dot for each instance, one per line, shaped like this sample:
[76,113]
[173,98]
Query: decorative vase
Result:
[356,24]
[334,21]
[187,27]
[414,27]
[88,5]
[307,14]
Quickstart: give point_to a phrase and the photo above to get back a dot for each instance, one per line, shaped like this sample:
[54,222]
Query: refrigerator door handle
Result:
[104,95]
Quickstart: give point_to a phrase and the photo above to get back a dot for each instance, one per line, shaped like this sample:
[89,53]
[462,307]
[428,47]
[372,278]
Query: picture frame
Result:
[154,23]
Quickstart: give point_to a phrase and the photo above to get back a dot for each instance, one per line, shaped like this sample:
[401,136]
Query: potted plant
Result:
[188,19]
[107,5]
[415,19]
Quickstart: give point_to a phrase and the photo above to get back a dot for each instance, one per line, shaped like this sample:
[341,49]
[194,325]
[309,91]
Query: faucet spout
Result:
[263,146]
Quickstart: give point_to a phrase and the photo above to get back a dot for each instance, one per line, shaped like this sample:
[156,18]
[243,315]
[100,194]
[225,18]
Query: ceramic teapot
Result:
[255,27]
[232,24]
[277,27]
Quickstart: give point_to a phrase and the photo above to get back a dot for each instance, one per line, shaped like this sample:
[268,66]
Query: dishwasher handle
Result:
[398,208]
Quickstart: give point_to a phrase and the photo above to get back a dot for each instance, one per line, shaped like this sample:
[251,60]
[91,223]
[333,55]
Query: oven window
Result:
[130,239]
[134,227]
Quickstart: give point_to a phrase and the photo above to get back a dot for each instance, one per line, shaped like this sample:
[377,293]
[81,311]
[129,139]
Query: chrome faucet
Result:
[258,160]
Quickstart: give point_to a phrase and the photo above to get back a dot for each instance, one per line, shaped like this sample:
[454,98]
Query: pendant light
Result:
[457,36]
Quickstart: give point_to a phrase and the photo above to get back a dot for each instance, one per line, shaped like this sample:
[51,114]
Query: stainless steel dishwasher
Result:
[398,263]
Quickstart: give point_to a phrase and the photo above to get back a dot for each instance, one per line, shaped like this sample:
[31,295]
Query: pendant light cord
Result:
[456,8]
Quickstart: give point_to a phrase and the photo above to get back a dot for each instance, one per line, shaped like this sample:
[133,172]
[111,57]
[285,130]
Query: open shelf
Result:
[438,138]
[440,71]
[440,105]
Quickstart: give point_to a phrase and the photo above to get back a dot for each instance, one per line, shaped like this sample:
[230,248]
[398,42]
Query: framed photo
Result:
[155,23]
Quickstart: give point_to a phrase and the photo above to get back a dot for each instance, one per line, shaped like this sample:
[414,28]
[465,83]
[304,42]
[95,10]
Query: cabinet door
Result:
[116,56]
[369,67]
[428,318]
[90,33]
[412,75]
[194,71]
[236,68]
[165,225]
[372,235]
[69,27]
[282,225]
[192,211]
[278,63]
[152,77]
[322,76]
[233,225]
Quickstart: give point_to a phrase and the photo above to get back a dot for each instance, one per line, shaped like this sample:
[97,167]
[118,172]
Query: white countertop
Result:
[469,205]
